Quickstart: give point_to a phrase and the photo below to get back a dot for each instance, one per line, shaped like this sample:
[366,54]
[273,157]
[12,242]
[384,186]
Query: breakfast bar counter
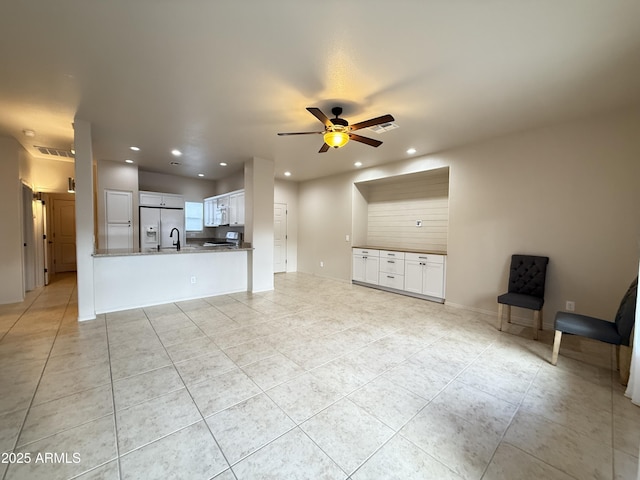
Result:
[126,279]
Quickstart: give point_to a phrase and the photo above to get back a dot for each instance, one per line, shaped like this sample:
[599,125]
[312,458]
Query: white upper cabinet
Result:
[236,208]
[158,199]
[226,209]
[210,205]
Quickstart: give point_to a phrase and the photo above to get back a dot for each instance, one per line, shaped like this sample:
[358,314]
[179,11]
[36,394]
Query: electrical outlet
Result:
[193,279]
[346,238]
[322,264]
[570,306]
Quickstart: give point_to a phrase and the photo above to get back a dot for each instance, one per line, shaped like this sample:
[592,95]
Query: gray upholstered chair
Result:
[618,332]
[527,276]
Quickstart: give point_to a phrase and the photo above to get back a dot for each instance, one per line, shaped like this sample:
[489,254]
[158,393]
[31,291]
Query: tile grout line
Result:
[35,391]
[202,418]
[113,398]
[513,416]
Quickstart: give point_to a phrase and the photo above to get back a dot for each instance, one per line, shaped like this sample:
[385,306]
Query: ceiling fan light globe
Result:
[336,139]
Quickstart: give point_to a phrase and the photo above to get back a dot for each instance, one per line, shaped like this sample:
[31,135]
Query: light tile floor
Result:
[318,379]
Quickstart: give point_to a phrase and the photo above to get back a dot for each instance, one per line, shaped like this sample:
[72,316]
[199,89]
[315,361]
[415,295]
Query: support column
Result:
[258,188]
[85,241]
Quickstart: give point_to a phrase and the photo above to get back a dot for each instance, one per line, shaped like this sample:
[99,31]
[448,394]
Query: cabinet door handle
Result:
[424,258]
[391,254]
[389,276]
[390,261]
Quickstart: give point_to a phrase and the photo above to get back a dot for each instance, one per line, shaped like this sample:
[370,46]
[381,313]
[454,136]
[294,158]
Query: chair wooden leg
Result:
[508,313]
[556,347]
[500,316]
[624,363]
[536,323]
[541,320]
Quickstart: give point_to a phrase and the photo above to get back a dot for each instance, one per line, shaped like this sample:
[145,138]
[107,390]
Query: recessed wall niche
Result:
[408,212]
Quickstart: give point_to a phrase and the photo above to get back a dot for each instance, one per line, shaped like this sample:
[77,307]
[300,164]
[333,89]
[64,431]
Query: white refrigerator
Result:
[156,224]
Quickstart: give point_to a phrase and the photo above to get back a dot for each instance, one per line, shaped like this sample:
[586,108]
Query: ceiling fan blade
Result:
[323,148]
[374,121]
[300,133]
[316,112]
[368,141]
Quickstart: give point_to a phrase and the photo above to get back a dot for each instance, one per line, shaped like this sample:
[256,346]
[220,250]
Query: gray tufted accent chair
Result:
[619,332]
[527,275]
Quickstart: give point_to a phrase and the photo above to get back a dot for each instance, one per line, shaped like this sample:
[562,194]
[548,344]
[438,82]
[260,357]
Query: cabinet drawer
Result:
[424,257]
[366,252]
[391,255]
[392,265]
[391,280]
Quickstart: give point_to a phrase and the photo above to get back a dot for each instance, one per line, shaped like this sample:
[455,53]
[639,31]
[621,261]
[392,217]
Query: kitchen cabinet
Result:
[366,266]
[119,219]
[425,274]
[236,208]
[158,199]
[226,209]
[391,271]
[210,205]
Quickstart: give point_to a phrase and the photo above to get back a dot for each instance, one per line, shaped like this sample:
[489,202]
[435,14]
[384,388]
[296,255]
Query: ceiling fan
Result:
[337,131]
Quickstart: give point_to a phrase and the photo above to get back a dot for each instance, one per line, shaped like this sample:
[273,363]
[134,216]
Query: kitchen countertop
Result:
[189,248]
[396,249]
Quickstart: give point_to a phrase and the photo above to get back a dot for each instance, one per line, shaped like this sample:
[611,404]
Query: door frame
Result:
[28,240]
[286,235]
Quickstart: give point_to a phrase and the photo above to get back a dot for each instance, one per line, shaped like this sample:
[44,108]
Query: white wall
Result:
[11,276]
[49,176]
[192,189]
[568,191]
[231,183]
[287,192]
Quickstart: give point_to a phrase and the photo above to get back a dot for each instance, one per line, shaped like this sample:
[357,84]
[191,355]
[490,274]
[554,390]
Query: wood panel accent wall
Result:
[395,204]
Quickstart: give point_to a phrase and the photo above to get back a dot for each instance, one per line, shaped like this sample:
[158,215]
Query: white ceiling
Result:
[219,79]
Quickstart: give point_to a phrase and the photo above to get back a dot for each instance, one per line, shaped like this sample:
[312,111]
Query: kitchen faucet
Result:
[177,244]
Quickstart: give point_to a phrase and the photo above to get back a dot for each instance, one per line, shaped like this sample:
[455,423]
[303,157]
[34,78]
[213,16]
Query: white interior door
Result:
[280,237]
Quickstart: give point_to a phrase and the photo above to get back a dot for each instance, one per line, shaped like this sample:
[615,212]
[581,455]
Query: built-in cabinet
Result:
[391,272]
[227,209]
[416,274]
[366,265]
[424,274]
[157,199]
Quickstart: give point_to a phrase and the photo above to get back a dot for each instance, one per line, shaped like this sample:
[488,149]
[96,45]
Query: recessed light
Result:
[411,151]
[287,174]
[201,174]
[135,149]
[175,152]
[358,164]
[223,164]
[128,161]
[29,133]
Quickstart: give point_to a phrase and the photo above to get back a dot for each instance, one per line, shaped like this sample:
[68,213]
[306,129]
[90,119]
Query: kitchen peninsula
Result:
[130,278]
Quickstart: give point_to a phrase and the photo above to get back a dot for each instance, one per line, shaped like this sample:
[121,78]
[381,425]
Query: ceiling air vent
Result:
[384,127]
[54,152]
